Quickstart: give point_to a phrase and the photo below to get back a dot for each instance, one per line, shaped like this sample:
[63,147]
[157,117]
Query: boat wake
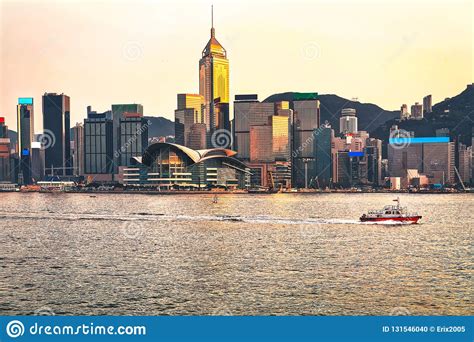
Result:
[149,217]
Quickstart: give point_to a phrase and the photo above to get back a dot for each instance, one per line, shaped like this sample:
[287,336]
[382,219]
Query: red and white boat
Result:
[391,213]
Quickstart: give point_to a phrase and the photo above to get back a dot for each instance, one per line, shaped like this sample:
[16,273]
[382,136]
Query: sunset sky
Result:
[105,52]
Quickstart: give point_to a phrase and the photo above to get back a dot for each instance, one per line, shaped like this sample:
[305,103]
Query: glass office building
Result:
[98,148]
[306,118]
[248,112]
[25,126]
[119,111]
[56,125]
[77,149]
[280,137]
[193,101]
[322,148]
[5,167]
[133,137]
[25,122]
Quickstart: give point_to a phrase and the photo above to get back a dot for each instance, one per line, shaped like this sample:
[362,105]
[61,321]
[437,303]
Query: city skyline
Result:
[30,70]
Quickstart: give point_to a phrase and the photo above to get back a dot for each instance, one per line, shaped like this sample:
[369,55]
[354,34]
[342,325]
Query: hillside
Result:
[455,113]
[160,126]
[13,137]
[370,116]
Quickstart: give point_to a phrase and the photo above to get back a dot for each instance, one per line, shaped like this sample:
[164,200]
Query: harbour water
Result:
[281,254]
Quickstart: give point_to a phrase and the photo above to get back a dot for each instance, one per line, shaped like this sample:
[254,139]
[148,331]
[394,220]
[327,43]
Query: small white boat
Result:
[391,213]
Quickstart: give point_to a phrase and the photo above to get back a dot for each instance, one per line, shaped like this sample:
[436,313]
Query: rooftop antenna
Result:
[212,21]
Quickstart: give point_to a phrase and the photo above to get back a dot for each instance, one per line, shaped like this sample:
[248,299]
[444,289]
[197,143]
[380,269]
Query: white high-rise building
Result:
[404,112]
[348,121]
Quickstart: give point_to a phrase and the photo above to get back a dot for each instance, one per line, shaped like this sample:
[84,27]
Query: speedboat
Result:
[391,213]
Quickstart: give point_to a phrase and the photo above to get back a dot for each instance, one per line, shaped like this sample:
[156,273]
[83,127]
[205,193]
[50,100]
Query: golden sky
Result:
[104,52]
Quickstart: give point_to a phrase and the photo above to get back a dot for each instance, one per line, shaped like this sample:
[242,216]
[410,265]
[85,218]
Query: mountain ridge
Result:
[455,113]
[369,115]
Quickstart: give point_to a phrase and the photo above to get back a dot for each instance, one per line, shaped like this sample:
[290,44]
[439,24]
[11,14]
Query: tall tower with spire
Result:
[214,83]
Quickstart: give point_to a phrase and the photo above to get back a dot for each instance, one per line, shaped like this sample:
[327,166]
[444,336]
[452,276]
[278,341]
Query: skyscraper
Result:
[427,104]
[438,162]
[262,139]
[56,135]
[197,136]
[343,169]
[280,136]
[306,118]
[5,167]
[192,101]
[402,158]
[417,111]
[358,168]
[432,156]
[117,115]
[25,126]
[404,112]
[348,121]
[78,149]
[37,161]
[98,148]
[465,161]
[214,83]
[261,143]
[374,161]
[25,122]
[322,148]
[248,112]
[133,137]
[188,113]
[183,120]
